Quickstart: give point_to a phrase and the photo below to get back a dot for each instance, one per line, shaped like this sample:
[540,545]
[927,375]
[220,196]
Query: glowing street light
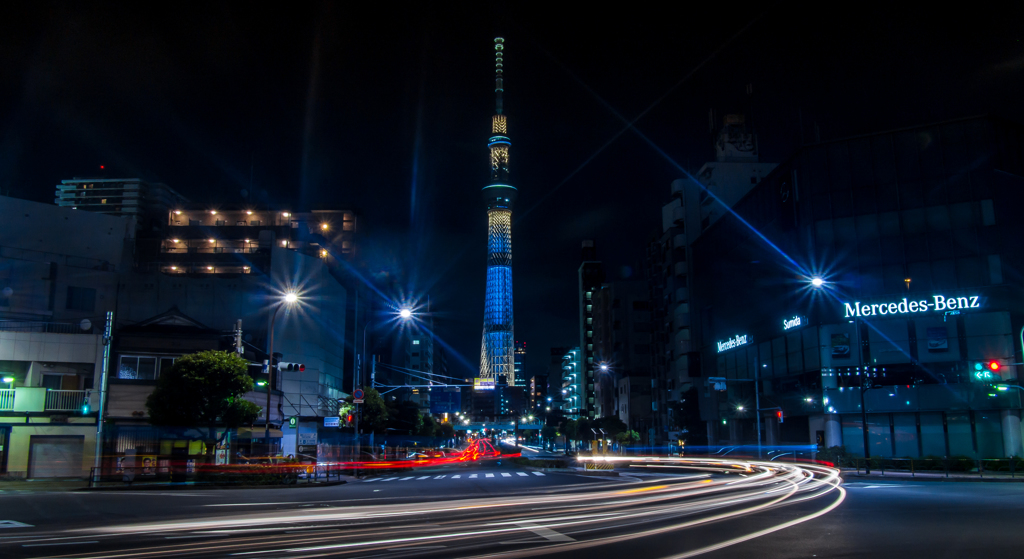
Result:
[288,300]
[604,367]
[817,282]
[405,313]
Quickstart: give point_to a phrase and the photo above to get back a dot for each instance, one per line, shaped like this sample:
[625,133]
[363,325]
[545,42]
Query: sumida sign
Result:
[795,322]
[938,303]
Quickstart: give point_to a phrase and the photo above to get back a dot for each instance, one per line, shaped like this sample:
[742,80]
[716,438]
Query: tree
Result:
[611,424]
[374,411]
[548,433]
[204,390]
[626,438]
[404,416]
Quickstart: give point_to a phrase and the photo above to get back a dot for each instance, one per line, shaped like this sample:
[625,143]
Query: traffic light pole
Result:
[270,376]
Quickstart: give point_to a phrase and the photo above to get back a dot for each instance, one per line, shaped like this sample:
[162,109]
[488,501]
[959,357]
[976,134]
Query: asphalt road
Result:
[659,512]
[46,511]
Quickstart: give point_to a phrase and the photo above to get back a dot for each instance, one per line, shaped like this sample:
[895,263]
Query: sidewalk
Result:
[850,474]
[43,485]
[83,485]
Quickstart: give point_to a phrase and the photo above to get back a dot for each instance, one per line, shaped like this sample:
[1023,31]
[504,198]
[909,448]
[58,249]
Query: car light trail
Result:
[606,514]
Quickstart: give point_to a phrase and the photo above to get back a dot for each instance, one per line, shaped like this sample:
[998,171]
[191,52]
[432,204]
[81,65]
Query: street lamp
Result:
[288,300]
[817,282]
[405,314]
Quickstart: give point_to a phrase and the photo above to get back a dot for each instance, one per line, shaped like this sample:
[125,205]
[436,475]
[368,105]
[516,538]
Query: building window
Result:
[133,367]
[415,342]
[81,299]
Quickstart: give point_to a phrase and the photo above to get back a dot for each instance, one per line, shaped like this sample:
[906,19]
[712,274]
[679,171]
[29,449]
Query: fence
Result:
[6,399]
[65,400]
[958,465]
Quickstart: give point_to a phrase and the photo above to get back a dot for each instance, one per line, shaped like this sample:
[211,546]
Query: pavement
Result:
[853,473]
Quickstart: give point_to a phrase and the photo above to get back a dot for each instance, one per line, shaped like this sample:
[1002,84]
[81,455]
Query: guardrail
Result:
[6,399]
[958,465]
[65,400]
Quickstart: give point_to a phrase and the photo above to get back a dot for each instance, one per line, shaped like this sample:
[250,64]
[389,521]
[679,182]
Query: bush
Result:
[837,455]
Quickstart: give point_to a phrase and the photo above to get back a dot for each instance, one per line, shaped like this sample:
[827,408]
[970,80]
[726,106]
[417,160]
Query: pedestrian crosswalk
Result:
[502,475]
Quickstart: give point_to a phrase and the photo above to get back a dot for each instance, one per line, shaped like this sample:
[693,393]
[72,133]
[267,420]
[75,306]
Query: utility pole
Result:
[108,331]
[238,338]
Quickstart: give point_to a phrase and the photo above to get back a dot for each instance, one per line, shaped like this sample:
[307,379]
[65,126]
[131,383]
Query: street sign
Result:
[292,422]
[357,400]
[357,394]
[332,421]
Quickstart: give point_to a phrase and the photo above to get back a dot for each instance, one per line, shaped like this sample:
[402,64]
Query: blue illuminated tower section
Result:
[496,351]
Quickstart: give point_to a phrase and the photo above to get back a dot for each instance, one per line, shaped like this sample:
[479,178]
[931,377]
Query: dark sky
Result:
[388,110]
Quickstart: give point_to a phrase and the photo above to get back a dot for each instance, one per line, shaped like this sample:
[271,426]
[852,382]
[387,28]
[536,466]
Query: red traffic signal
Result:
[778,414]
[291,367]
[994,365]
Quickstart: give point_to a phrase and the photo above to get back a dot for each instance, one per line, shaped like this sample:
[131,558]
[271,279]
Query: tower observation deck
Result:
[497,351]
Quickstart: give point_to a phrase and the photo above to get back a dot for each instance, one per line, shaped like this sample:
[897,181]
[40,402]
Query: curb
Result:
[846,477]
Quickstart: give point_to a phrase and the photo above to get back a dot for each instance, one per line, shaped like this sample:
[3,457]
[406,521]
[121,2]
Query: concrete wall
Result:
[21,437]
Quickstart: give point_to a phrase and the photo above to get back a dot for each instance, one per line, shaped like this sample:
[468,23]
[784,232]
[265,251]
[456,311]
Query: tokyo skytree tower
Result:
[496,351]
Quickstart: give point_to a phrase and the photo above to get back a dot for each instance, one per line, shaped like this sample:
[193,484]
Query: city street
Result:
[508,511]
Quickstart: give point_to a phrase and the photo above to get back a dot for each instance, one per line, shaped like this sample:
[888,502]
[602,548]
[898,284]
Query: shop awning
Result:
[257,433]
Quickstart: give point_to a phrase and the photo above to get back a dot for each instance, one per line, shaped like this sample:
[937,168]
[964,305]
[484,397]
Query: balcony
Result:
[65,400]
[43,327]
[38,399]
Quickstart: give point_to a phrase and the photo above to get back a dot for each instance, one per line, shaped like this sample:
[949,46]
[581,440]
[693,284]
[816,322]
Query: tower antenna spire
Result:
[499,86]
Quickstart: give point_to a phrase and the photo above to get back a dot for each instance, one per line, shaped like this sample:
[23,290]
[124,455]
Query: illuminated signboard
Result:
[734,342]
[795,322]
[483,384]
[938,303]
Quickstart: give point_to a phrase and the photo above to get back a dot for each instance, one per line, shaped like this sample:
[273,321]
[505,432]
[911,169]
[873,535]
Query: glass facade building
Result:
[914,234]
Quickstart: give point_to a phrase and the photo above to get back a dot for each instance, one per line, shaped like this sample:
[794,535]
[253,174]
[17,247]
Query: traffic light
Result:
[778,414]
[987,370]
[291,367]
[348,419]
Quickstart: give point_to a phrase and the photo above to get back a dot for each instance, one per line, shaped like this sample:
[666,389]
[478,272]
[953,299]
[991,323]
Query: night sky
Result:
[388,111]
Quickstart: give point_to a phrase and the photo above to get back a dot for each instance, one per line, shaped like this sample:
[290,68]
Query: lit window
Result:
[415,342]
[103,201]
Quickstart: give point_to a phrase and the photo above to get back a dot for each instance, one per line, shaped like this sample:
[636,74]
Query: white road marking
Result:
[503,474]
[406,478]
[439,477]
[389,479]
[524,474]
[14,524]
[537,474]
[456,476]
[65,543]
[471,476]
[546,533]
[374,479]
[488,475]
[424,477]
